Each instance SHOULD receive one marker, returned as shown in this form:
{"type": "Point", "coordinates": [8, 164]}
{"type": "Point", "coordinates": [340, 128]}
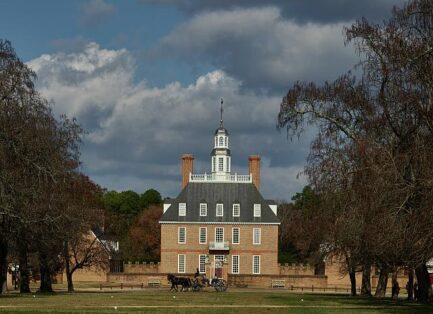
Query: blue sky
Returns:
{"type": "Point", "coordinates": [144, 78]}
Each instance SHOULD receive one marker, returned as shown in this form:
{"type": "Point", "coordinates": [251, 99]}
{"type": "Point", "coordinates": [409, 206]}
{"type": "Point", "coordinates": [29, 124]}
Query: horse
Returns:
{"type": "Point", "coordinates": [175, 281]}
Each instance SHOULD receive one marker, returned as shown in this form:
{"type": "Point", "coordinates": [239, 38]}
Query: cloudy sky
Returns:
{"type": "Point", "coordinates": [144, 78]}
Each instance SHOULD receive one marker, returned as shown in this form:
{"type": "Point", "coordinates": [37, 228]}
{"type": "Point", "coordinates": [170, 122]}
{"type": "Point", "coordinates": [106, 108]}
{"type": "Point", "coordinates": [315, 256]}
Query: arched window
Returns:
{"type": "Point", "coordinates": [216, 141]}
{"type": "Point", "coordinates": [226, 140]}
{"type": "Point", "coordinates": [221, 141]}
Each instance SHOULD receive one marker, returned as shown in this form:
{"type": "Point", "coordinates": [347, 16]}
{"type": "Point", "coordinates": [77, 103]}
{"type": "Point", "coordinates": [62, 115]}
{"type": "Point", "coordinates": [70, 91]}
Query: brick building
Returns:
{"type": "Point", "coordinates": [220, 223]}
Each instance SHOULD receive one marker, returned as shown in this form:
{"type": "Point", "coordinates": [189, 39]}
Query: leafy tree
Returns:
{"type": "Point", "coordinates": [150, 197]}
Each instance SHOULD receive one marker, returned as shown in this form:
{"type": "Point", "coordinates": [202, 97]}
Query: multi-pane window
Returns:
{"type": "Point", "coordinates": [182, 235]}
{"type": "Point", "coordinates": [202, 264]}
{"type": "Point", "coordinates": [257, 210]}
{"type": "Point", "coordinates": [235, 236]}
{"type": "Point", "coordinates": [181, 263]}
{"type": "Point", "coordinates": [226, 141]}
{"type": "Point", "coordinates": [216, 141]}
{"type": "Point", "coordinates": [219, 210]}
{"type": "Point", "coordinates": [221, 141]}
{"type": "Point", "coordinates": [228, 164]}
{"type": "Point", "coordinates": [203, 209]}
{"type": "Point", "coordinates": [257, 232]}
{"type": "Point", "coordinates": [236, 210]}
{"type": "Point", "coordinates": [213, 164]}
{"type": "Point", "coordinates": [203, 235]}
{"type": "Point", "coordinates": [182, 209]}
{"type": "Point", "coordinates": [221, 164]}
{"type": "Point", "coordinates": [256, 264]}
{"type": "Point", "coordinates": [219, 234]}
{"type": "Point", "coordinates": [235, 264]}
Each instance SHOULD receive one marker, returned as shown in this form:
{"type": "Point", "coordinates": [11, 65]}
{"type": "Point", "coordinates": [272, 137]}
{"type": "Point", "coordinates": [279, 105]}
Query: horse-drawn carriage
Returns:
{"type": "Point", "coordinates": [196, 284]}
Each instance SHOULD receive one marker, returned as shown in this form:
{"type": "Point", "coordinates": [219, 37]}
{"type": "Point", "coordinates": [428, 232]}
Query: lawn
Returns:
{"type": "Point", "coordinates": [232, 301]}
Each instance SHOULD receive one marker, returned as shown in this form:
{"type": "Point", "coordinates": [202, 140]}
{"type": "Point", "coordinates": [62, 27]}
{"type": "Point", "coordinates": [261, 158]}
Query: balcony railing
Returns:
{"type": "Point", "coordinates": [219, 246]}
{"type": "Point", "coordinates": [214, 177]}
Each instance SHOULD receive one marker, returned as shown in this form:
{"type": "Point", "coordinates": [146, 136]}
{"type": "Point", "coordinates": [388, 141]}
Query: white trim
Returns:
{"type": "Point", "coordinates": [178, 235]}
{"type": "Point", "coordinates": [205, 209]}
{"type": "Point", "coordinates": [215, 239]}
{"type": "Point", "coordinates": [239, 235]}
{"type": "Point", "coordinates": [260, 236]}
{"type": "Point", "coordinates": [222, 210]}
{"type": "Point", "coordinates": [259, 259]}
{"type": "Point", "coordinates": [239, 264]}
{"type": "Point", "coordinates": [199, 263]}
{"type": "Point", "coordinates": [199, 235]}
{"type": "Point", "coordinates": [257, 210]}
{"type": "Point", "coordinates": [219, 223]}
{"type": "Point", "coordinates": [233, 209]}
{"type": "Point", "coordinates": [178, 263]}
{"type": "Point", "coordinates": [182, 211]}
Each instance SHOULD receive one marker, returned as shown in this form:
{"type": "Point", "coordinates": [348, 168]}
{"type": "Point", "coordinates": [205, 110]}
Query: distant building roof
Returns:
{"type": "Point", "coordinates": [244, 194]}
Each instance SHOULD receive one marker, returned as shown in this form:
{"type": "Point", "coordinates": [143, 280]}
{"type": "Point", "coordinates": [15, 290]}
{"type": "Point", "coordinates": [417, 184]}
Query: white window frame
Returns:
{"type": "Point", "coordinates": [179, 237]}
{"type": "Point", "coordinates": [233, 235]}
{"type": "Point", "coordinates": [219, 206]}
{"type": "Point", "coordinates": [220, 164]}
{"type": "Point", "coordinates": [256, 266]}
{"type": "Point", "coordinates": [182, 209]}
{"type": "Point", "coordinates": [259, 232]}
{"type": "Point", "coordinates": [181, 266]}
{"type": "Point", "coordinates": [202, 263]}
{"type": "Point", "coordinates": [226, 141]}
{"type": "Point", "coordinates": [237, 264]}
{"type": "Point", "coordinates": [219, 228]}
{"type": "Point", "coordinates": [213, 164]}
{"type": "Point", "coordinates": [200, 234]}
{"type": "Point", "coordinates": [221, 141]}
{"type": "Point", "coordinates": [257, 210]}
{"type": "Point", "coordinates": [203, 209]}
{"type": "Point", "coordinates": [239, 210]}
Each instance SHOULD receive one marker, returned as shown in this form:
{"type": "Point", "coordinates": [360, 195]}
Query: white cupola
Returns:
{"type": "Point", "coordinates": [221, 152]}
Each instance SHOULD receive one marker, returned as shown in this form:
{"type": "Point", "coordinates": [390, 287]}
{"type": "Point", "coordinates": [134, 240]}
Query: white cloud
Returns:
{"type": "Point", "coordinates": [137, 133]}
{"type": "Point", "coordinates": [260, 48]}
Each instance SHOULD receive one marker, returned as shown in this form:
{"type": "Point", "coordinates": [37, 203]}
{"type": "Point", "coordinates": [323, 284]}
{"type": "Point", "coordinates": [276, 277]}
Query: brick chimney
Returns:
{"type": "Point", "coordinates": [187, 168]}
{"type": "Point", "coordinates": [254, 169]}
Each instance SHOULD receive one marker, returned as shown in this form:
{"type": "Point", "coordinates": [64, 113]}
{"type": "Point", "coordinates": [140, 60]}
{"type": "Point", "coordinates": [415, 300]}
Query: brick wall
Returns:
{"type": "Point", "coordinates": [137, 267]}
{"type": "Point", "coordinates": [265, 281]}
{"type": "Point", "coordinates": [296, 269]}
{"type": "Point", "coordinates": [268, 249]}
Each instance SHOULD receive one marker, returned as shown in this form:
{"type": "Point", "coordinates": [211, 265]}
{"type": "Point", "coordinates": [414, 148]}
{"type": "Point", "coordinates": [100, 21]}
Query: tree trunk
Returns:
{"type": "Point", "coordinates": [352, 276]}
{"type": "Point", "coordinates": [3, 266]}
{"type": "Point", "coordinates": [366, 281]}
{"type": "Point", "coordinates": [424, 288]}
{"type": "Point", "coordinates": [46, 285]}
{"type": "Point", "coordinates": [68, 267]}
{"type": "Point", "coordinates": [24, 270]}
{"type": "Point", "coordinates": [409, 286]}
{"type": "Point", "coordinates": [382, 282]}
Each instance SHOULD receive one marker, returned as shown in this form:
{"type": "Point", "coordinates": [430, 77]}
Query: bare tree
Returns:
{"type": "Point", "coordinates": [374, 141]}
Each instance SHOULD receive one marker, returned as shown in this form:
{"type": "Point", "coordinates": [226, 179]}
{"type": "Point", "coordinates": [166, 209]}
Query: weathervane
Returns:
{"type": "Point", "coordinates": [222, 110]}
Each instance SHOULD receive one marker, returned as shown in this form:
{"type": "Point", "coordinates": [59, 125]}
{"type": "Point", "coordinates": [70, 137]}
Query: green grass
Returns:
{"type": "Point", "coordinates": [233, 301]}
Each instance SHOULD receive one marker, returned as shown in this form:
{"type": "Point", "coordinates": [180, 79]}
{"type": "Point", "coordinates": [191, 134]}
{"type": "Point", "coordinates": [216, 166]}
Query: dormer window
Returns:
{"type": "Point", "coordinates": [182, 209]}
{"type": "Point", "coordinates": [257, 210]}
{"type": "Point", "coordinates": [219, 210]}
{"type": "Point", "coordinates": [236, 210]}
{"type": "Point", "coordinates": [203, 209]}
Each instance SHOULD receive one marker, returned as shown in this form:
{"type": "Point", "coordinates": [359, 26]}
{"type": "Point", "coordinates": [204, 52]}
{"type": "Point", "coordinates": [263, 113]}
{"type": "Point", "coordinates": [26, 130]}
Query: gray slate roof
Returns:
{"type": "Point", "coordinates": [246, 194]}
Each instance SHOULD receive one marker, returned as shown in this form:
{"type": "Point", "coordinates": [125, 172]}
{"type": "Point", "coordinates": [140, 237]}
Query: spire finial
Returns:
{"type": "Point", "coordinates": [222, 110]}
